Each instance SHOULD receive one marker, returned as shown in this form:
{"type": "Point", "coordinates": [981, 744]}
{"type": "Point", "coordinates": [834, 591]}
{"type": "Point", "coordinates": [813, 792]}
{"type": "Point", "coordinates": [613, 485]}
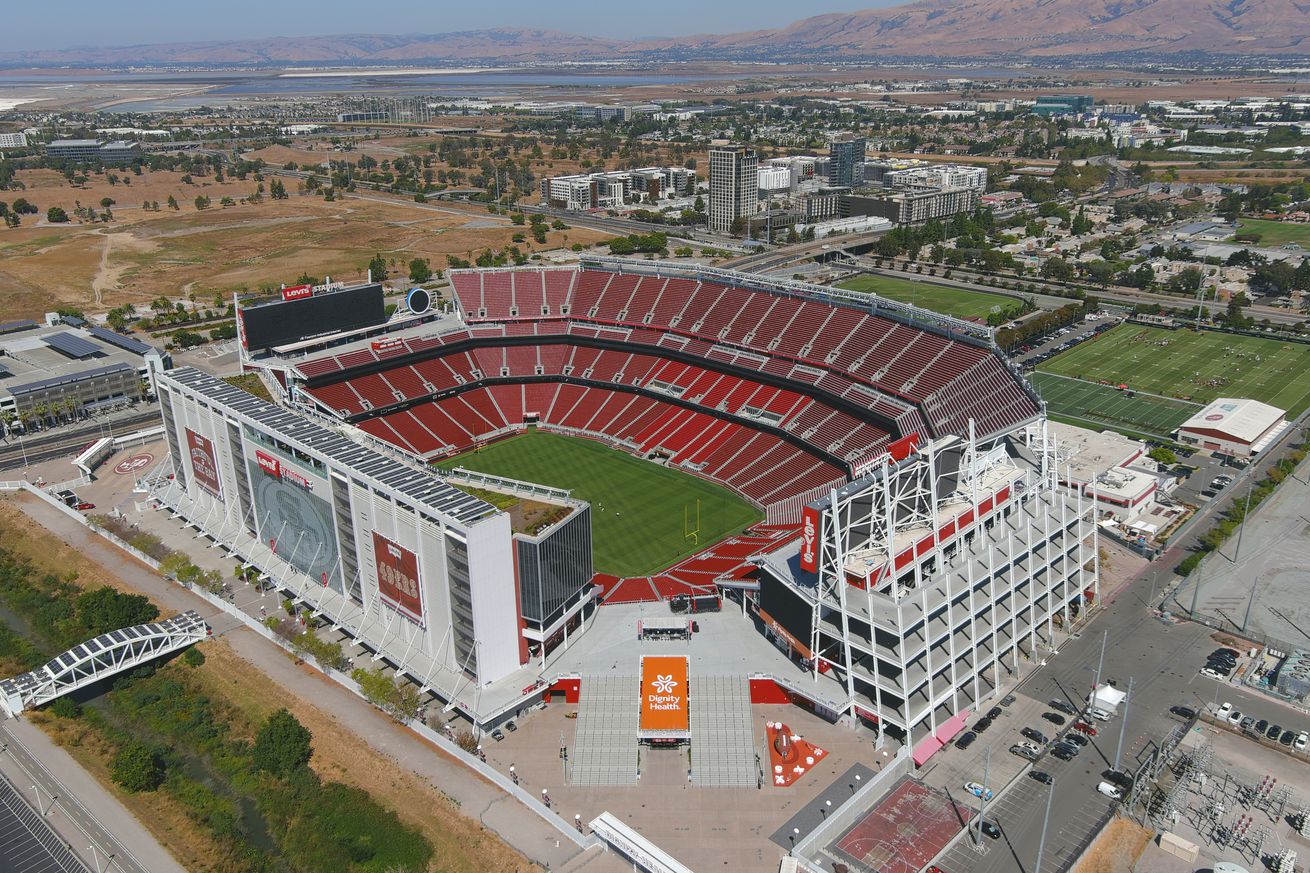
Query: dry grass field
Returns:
{"type": "Point", "coordinates": [143, 254]}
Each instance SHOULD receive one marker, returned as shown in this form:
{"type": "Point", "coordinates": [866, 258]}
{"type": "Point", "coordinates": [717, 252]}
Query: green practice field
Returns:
{"type": "Point", "coordinates": [1089, 404]}
{"type": "Point", "coordinates": [938, 298]}
{"type": "Point", "coordinates": [1193, 366]}
{"type": "Point", "coordinates": [640, 512]}
{"type": "Point", "coordinates": [1275, 233]}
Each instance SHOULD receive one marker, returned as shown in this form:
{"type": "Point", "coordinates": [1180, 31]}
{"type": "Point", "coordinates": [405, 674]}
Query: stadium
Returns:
{"type": "Point", "coordinates": [870, 484]}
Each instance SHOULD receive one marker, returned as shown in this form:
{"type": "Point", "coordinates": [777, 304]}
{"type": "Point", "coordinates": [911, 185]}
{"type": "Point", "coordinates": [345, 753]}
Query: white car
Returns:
{"type": "Point", "coordinates": [1212, 674]}
{"type": "Point", "coordinates": [1302, 741]}
{"type": "Point", "coordinates": [1224, 710]}
{"type": "Point", "coordinates": [1110, 790]}
{"type": "Point", "coordinates": [978, 790]}
{"type": "Point", "coordinates": [1235, 717]}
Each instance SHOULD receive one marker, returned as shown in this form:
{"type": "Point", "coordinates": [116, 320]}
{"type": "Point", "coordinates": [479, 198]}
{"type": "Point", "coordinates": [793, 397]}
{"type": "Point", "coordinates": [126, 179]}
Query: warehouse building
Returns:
{"type": "Point", "coordinates": [1236, 426]}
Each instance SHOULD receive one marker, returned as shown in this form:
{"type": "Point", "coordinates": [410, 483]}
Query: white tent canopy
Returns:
{"type": "Point", "coordinates": [1107, 697]}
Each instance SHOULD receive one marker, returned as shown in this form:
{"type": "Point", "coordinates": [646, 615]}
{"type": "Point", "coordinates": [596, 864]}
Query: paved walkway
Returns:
{"type": "Point", "coordinates": [518, 827]}
{"type": "Point", "coordinates": [81, 807]}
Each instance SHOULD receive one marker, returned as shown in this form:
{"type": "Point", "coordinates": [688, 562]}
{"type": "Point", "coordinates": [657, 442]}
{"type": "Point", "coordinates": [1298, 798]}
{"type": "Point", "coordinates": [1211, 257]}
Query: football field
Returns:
{"type": "Point", "coordinates": [1192, 366]}
{"type": "Point", "coordinates": [641, 513]}
{"type": "Point", "coordinates": [959, 302]}
{"type": "Point", "coordinates": [1089, 404]}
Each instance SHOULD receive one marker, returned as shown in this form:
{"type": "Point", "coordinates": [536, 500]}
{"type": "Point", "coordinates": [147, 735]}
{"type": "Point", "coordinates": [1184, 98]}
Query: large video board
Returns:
{"type": "Point", "coordinates": [294, 521]}
{"type": "Point", "coordinates": [297, 318]}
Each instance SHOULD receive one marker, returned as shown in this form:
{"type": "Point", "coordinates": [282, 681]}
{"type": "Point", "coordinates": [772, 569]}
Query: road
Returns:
{"type": "Point", "coordinates": [64, 441]}
{"type": "Point", "coordinates": [1162, 659]}
{"type": "Point", "coordinates": [82, 812]}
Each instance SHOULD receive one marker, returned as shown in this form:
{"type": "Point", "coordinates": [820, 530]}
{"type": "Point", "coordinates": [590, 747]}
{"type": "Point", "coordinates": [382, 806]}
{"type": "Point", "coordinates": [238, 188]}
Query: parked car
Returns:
{"type": "Point", "coordinates": [1035, 735]}
{"type": "Point", "coordinates": [1235, 717]}
{"type": "Point", "coordinates": [1273, 731]}
{"type": "Point", "coordinates": [1183, 712]}
{"type": "Point", "coordinates": [1054, 718]}
{"type": "Point", "coordinates": [994, 713]}
{"type": "Point", "coordinates": [1062, 706]}
{"type": "Point", "coordinates": [1302, 741]}
{"type": "Point", "coordinates": [1287, 738]}
{"type": "Point", "coordinates": [1074, 739]}
{"type": "Point", "coordinates": [1223, 650]}
{"type": "Point", "coordinates": [1064, 753]}
{"type": "Point", "coordinates": [498, 734]}
{"type": "Point", "coordinates": [990, 829]}
{"type": "Point", "coordinates": [1212, 674]}
{"type": "Point", "coordinates": [978, 790]}
{"type": "Point", "coordinates": [1247, 722]}
{"type": "Point", "coordinates": [1223, 710]}
{"type": "Point", "coordinates": [84, 506]}
{"type": "Point", "coordinates": [1084, 728]}
{"type": "Point", "coordinates": [1025, 751]}
{"type": "Point", "coordinates": [1041, 776]}
{"type": "Point", "coordinates": [510, 726]}
{"type": "Point", "coordinates": [1009, 699]}
{"type": "Point", "coordinates": [1123, 780]}
{"type": "Point", "coordinates": [966, 740]}
{"type": "Point", "coordinates": [1109, 790]}
{"type": "Point", "coordinates": [982, 724]}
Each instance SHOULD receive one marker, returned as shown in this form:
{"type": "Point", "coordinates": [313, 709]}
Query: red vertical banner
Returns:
{"type": "Point", "coordinates": [398, 577]}
{"type": "Point", "coordinates": [204, 463]}
{"type": "Point", "coordinates": [810, 540]}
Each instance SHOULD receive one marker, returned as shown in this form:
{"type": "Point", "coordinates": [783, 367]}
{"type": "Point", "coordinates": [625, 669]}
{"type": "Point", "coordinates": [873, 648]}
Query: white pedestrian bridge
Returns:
{"type": "Point", "coordinates": [98, 658]}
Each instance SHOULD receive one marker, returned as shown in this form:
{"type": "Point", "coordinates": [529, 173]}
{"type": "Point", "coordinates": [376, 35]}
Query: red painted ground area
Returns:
{"type": "Point", "coordinates": [904, 832]}
{"type": "Point", "coordinates": [790, 757]}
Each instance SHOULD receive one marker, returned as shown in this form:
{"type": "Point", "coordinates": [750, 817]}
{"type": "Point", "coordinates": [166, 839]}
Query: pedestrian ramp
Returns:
{"type": "Point", "coordinates": [722, 735]}
{"type": "Point", "coordinates": [605, 744]}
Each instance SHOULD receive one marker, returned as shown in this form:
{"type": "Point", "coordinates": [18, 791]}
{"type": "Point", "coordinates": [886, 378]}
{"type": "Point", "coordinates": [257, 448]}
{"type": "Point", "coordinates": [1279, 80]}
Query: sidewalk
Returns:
{"type": "Point", "coordinates": [81, 805]}
{"type": "Point", "coordinates": [480, 800]}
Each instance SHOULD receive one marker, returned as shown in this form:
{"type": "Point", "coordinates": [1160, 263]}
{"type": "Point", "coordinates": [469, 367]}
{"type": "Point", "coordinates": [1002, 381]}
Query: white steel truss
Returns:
{"type": "Point", "coordinates": [100, 657]}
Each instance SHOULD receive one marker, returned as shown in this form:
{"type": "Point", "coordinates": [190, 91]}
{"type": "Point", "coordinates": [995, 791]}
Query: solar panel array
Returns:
{"type": "Point", "coordinates": [16, 326]}
{"type": "Point", "coordinates": [72, 345]}
{"type": "Point", "coordinates": [419, 485]}
{"type": "Point", "coordinates": [117, 339]}
{"type": "Point", "coordinates": [69, 378]}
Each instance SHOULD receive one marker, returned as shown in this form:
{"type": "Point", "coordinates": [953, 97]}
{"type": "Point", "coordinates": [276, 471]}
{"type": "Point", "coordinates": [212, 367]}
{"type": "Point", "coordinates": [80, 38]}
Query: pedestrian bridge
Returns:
{"type": "Point", "coordinates": [106, 655]}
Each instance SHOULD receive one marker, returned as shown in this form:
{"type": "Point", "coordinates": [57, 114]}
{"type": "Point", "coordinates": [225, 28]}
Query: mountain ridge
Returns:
{"type": "Point", "coordinates": [929, 29]}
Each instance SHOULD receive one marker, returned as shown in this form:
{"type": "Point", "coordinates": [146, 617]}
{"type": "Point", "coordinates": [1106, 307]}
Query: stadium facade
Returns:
{"type": "Point", "coordinates": [406, 563]}
{"type": "Point", "coordinates": [926, 554]}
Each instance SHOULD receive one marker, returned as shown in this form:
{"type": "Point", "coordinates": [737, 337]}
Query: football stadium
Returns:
{"type": "Point", "coordinates": [860, 497]}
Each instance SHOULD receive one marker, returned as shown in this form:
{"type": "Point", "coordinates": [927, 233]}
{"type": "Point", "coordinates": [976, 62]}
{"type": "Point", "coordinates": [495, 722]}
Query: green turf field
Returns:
{"type": "Point", "coordinates": [1275, 233]}
{"type": "Point", "coordinates": [1089, 404]}
{"type": "Point", "coordinates": [938, 298]}
{"type": "Point", "coordinates": [1193, 366]}
{"type": "Point", "coordinates": [638, 509]}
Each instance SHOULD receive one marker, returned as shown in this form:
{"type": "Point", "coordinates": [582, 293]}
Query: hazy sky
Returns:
{"type": "Point", "coordinates": [43, 24]}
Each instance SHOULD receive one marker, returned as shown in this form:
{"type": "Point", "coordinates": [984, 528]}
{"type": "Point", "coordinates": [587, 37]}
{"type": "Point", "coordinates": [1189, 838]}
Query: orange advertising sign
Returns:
{"type": "Point", "coordinates": [664, 693]}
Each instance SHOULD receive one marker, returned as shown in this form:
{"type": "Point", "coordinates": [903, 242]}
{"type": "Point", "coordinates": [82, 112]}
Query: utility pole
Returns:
{"type": "Point", "coordinates": [1237, 553]}
{"type": "Point", "coordinates": [1123, 724]}
{"type": "Point", "coordinates": [1046, 820]}
{"type": "Point", "coordinates": [982, 795]}
{"type": "Point", "coordinates": [1100, 664]}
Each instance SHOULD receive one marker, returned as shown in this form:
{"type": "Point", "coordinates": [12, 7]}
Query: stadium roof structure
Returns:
{"type": "Point", "coordinates": [1237, 418]}
{"type": "Point", "coordinates": [419, 484]}
{"type": "Point", "coordinates": [117, 339]}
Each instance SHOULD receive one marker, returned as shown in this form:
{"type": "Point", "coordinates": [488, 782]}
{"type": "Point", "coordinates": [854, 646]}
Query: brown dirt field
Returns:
{"type": "Point", "coordinates": [221, 250]}
{"type": "Point", "coordinates": [459, 843]}
{"type": "Point", "coordinates": [1117, 849]}
{"type": "Point", "coordinates": [46, 188]}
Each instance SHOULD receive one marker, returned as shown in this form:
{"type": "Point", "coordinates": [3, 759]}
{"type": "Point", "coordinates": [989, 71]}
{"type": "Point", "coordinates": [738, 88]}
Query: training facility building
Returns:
{"type": "Point", "coordinates": [429, 577]}
{"type": "Point", "coordinates": [1236, 426]}
{"type": "Point", "coordinates": [63, 367]}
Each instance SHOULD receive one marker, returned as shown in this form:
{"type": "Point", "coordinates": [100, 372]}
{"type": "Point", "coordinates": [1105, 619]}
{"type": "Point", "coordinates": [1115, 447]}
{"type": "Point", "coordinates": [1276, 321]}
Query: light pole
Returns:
{"type": "Point", "coordinates": [1046, 820]}
{"type": "Point", "coordinates": [1123, 724]}
{"type": "Point", "coordinates": [982, 795]}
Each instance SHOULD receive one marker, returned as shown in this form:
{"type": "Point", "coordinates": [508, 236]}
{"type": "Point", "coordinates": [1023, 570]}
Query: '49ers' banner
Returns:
{"type": "Point", "coordinates": [810, 540]}
{"type": "Point", "coordinates": [398, 577]}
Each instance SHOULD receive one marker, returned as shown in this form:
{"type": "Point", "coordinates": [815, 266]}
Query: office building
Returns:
{"type": "Point", "coordinates": [912, 207]}
{"type": "Point", "coordinates": [13, 140]}
{"type": "Point", "coordinates": [734, 185]}
{"type": "Point", "coordinates": [845, 160]}
{"type": "Point", "coordinates": [1063, 104]}
{"type": "Point", "coordinates": [93, 151]}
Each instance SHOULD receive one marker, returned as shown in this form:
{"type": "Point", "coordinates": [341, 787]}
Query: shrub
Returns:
{"type": "Point", "coordinates": [137, 767]}
{"type": "Point", "coordinates": [193, 657]}
{"type": "Point", "coordinates": [282, 744]}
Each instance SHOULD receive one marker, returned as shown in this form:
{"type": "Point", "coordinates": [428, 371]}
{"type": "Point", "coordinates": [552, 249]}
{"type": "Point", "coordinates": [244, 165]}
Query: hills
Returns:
{"type": "Point", "coordinates": [928, 29]}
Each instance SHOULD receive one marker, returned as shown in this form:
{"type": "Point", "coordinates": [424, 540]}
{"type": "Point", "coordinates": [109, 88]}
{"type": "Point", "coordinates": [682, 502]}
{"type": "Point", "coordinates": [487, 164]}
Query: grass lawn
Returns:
{"type": "Point", "coordinates": [1089, 404]}
{"type": "Point", "coordinates": [1275, 233]}
{"type": "Point", "coordinates": [1193, 366]}
{"type": "Point", "coordinates": [938, 298]}
{"type": "Point", "coordinates": [638, 509]}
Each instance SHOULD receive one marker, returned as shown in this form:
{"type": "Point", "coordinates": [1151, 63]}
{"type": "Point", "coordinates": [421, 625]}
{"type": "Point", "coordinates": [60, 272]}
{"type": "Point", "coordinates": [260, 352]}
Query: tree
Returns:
{"type": "Point", "coordinates": [277, 190]}
{"type": "Point", "coordinates": [137, 767]}
{"type": "Point", "coordinates": [1057, 268]}
{"type": "Point", "coordinates": [106, 202]}
{"type": "Point", "coordinates": [202, 202]}
{"type": "Point", "coordinates": [22, 207]}
{"type": "Point", "coordinates": [420, 270]}
{"type": "Point", "coordinates": [378, 267]}
{"type": "Point", "coordinates": [1187, 281]}
{"type": "Point", "coordinates": [56, 215]}
{"type": "Point", "coordinates": [103, 609]}
{"type": "Point", "coordinates": [282, 745]}
{"type": "Point", "coordinates": [172, 202]}
{"type": "Point", "coordinates": [1163, 455]}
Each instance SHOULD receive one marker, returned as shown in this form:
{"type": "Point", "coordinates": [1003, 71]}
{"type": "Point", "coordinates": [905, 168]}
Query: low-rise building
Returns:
{"type": "Point", "coordinates": [93, 151]}
{"type": "Point", "coordinates": [1236, 426]}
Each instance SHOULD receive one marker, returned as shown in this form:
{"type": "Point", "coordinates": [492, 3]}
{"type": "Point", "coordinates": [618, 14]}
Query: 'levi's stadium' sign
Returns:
{"type": "Point", "coordinates": [297, 292]}
{"type": "Point", "coordinates": [810, 540]}
{"type": "Point", "coordinates": [664, 694]}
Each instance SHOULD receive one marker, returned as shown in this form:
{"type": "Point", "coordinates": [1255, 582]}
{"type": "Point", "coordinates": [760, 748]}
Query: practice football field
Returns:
{"type": "Point", "coordinates": [1089, 404]}
{"type": "Point", "coordinates": [1193, 366]}
{"type": "Point", "coordinates": [1275, 233]}
{"type": "Point", "coordinates": [948, 301]}
{"type": "Point", "coordinates": [640, 512]}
